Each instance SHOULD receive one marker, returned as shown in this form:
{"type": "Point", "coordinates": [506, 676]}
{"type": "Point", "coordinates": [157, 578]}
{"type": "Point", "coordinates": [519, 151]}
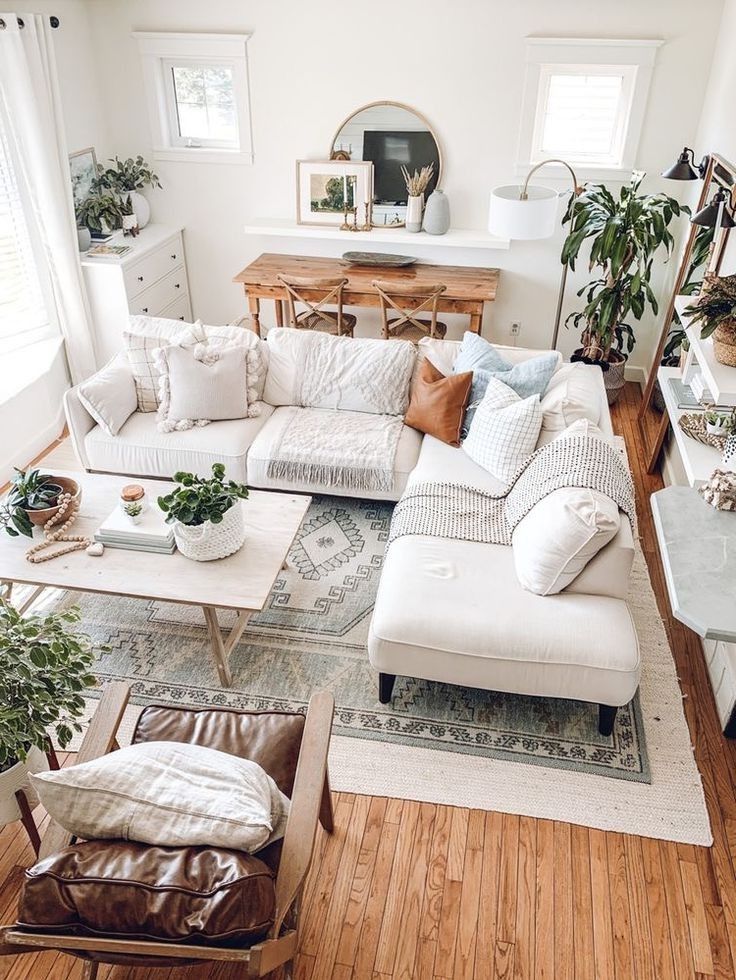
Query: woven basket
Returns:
{"type": "Point", "coordinates": [208, 541]}
{"type": "Point", "coordinates": [724, 343]}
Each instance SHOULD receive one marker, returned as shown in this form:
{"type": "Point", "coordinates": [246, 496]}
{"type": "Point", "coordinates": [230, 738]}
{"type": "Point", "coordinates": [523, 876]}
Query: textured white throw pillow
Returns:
{"type": "Point", "coordinates": [201, 384]}
{"type": "Point", "coordinates": [167, 793]}
{"type": "Point", "coordinates": [110, 396]}
{"type": "Point", "coordinates": [229, 336]}
{"type": "Point", "coordinates": [573, 393]}
{"type": "Point", "coordinates": [560, 535]}
{"type": "Point", "coordinates": [504, 430]}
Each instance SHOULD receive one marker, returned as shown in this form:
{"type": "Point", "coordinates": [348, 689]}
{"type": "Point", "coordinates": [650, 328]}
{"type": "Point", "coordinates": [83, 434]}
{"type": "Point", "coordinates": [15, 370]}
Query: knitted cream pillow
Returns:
{"type": "Point", "coordinates": [201, 384]}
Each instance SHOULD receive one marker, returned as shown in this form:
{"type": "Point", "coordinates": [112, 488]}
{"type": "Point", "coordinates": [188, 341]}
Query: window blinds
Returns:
{"type": "Point", "coordinates": [582, 116]}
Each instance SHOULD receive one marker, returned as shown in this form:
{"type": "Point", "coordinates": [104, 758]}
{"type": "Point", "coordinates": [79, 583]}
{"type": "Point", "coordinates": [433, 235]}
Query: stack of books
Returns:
{"type": "Point", "coordinates": [151, 534]}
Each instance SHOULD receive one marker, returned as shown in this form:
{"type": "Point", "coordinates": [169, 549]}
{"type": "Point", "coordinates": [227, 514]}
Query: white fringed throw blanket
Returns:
{"type": "Point", "coordinates": [351, 451]}
{"type": "Point", "coordinates": [453, 510]}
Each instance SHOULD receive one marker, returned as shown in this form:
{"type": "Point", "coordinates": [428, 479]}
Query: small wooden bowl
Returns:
{"type": "Point", "coordinates": [39, 517]}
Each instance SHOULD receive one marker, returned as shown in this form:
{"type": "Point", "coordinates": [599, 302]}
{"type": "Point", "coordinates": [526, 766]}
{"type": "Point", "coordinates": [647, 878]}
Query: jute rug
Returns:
{"type": "Point", "coordinates": [437, 743]}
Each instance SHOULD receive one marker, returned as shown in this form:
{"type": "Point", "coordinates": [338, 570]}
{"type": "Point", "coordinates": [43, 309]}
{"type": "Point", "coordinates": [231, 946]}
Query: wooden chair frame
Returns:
{"type": "Point", "coordinates": [297, 286]}
{"type": "Point", "coordinates": [428, 294]}
{"type": "Point", "coordinates": [310, 805]}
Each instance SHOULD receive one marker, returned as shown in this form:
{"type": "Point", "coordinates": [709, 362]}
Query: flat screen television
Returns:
{"type": "Point", "coordinates": [389, 150]}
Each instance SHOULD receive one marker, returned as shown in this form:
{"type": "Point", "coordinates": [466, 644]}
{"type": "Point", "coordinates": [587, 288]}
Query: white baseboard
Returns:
{"type": "Point", "coordinates": [634, 373]}
{"type": "Point", "coordinates": [31, 449]}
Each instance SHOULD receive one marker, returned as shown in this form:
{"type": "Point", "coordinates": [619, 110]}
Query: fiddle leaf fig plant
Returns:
{"type": "Point", "coordinates": [624, 233]}
{"type": "Point", "coordinates": [44, 670]}
{"type": "Point", "coordinates": [196, 500]}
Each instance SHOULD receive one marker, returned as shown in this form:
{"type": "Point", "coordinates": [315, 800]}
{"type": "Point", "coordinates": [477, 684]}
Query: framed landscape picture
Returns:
{"type": "Point", "coordinates": [83, 169]}
{"type": "Point", "coordinates": [325, 188]}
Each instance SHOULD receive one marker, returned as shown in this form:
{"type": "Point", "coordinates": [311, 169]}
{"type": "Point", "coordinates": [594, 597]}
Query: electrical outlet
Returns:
{"type": "Point", "coordinates": [515, 329]}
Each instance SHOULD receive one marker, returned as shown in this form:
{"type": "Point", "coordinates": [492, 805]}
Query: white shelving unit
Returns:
{"type": "Point", "coordinates": [720, 379]}
{"type": "Point", "coordinates": [698, 460]}
{"type": "Point", "coordinates": [356, 241]}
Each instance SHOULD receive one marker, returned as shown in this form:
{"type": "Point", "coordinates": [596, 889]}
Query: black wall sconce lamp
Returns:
{"type": "Point", "coordinates": [685, 168]}
{"type": "Point", "coordinates": [718, 212]}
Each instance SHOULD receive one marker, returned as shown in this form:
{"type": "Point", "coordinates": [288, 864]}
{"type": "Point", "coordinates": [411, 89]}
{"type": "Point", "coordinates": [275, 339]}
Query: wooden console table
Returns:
{"type": "Point", "coordinates": [468, 287]}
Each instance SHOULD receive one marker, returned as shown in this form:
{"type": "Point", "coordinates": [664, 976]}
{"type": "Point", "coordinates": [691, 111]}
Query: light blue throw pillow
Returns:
{"type": "Point", "coordinates": [526, 379]}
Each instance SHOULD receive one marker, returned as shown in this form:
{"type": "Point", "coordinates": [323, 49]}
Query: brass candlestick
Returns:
{"type": "Point", "coordinates": [345, 226]}
{"type": "Point", "coordinates": [354, 226]}
{"type": "Point", "coordinates": [368, 226]}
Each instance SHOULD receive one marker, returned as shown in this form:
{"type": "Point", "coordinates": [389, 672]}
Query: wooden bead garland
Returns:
{"type": "Point", "coordinates": [77, 542]}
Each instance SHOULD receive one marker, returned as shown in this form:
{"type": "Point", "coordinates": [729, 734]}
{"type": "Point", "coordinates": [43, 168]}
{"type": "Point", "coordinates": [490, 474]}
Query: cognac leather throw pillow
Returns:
{"type": "Point", "coordinates": [438, 403]}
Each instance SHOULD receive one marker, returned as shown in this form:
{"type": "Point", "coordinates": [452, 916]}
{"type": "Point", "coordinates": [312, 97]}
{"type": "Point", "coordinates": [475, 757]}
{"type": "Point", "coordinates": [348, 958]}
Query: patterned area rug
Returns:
{"type": "Point", "coordinates": [447, 744]}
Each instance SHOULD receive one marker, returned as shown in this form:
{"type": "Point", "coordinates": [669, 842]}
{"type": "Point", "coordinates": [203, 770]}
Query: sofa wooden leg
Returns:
{"type": "Point", "coordinates": [386, 687]}
{"type": "Point", "coordinates": [606, 718]}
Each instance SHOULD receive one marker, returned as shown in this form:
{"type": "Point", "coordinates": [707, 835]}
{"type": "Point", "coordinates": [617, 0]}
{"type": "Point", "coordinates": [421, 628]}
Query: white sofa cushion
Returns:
{"type": "Point", "coordinates": [139, 449]}
{"type": "Point", "coordinates": [110, 396]}
{"type": "Point", "coordinates": [507, 639]}
{"type": "Point", "coordinates": [571, 394]}
{"type": "Point", "coordinates": [317, 370]}
{"type": "Point", "coordinates": [560, 535]}
{"type": "Point", "coordinates": [199, 385]}
{"type": "Point", "coordinates": [265, 443]}
{"type": "Point", "coordinates": [504, 430]}
{"type": "Point", "coordinates": [171, 794]}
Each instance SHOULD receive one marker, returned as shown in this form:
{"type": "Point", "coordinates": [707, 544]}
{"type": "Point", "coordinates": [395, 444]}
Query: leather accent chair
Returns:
{"type": "Point", "coordinates": [130, 903]}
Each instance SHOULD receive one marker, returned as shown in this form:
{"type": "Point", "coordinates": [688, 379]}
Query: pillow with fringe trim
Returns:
{"type": "Point", "coordinates": [228, 336]}
{"type": "Point", "coordinates": [201, 384]}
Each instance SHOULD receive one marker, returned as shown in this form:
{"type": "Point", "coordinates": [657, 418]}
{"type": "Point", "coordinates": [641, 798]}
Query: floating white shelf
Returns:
{"type": "Point", "coordinates": [356, 241]}
{"type": "Point", "coordinates": [698, 460]}
{"type": "Point", "coordinates": [720, 379]}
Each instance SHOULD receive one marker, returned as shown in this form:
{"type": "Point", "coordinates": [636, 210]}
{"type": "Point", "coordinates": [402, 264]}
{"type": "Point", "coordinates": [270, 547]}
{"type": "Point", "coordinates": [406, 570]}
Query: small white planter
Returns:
{"type": "Point", "coordinates": [209, 541]}
{"type": "Point", "coordinates": [414, 208]}
{"type": "Point", "coordinates": [716, 430]}
{"type": "Point", "coordinates": [16, 778]}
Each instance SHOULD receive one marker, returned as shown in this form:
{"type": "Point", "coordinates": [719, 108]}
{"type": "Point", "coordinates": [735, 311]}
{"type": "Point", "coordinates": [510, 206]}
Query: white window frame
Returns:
{"type": "Point", "coordinates": [633, 59]}
{"type": "Point", "coordinates": [159, 52]}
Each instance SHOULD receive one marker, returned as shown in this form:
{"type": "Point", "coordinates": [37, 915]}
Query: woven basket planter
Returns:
{"type": "Point", "coordinates": [208, 541]}
{"type": "Point", "coordinates": [724, 343]}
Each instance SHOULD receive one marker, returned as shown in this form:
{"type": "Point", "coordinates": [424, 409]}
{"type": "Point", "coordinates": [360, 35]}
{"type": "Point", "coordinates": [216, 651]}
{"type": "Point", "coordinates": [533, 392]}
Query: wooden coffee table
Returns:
{"type": "Point", "coordinates": [241, 583]}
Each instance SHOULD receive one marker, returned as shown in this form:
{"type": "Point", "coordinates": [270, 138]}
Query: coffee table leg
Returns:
{"type": "Point", "coordinates": [222, 645]}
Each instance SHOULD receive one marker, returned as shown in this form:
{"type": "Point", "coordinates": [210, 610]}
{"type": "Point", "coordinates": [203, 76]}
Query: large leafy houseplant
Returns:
{"type": "Point", "coordinates": [624, 234]}
{"type": "Point", "coordinates": [29, 490]}
{"type": "Point", "coordinates": [715, 310]}
{"type": "Point", "coordinates": [44, 670]}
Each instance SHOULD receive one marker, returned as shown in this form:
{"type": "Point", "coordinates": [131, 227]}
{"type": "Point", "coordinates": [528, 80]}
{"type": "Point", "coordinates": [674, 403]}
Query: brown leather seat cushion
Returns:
{"type": "Point", "coordinates": [203, 895]}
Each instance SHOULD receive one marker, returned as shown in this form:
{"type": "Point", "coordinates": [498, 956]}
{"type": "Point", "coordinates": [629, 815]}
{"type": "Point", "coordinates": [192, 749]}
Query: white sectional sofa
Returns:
{"type": "Point", "coordinates": [446, 610]}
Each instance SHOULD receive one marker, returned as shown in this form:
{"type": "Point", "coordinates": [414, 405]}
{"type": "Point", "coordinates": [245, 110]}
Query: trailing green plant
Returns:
{"type": "Point", "coordinates": [715, 305]}
{"type": "Point", "coordinates": [99, 210]}
{"type": "Point", "coordinates": [29, 490]}
{"type": "Point", "coordinates": [44, 668]}
{"type": "Point", "coordinates": [125, 176]}
{"type": "Point", "coordinates": [625, 233]}
{"type": "Point", "coordinates": [196, 500]}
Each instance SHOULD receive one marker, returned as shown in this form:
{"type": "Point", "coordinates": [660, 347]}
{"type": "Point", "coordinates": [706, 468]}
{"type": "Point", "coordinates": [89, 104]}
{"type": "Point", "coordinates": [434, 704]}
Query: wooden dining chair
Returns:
{"type": "Point", "coordinates": [401, 304]}
{"type": "Point", "coordinates": [315, 295]}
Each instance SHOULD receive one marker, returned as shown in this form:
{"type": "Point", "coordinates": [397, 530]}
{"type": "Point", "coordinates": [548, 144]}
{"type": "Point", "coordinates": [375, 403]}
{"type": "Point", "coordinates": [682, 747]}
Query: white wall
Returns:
{"type": "Point", "coordinates": [313, 62]}
{"type": "Point", "coordinates": [717, 130]}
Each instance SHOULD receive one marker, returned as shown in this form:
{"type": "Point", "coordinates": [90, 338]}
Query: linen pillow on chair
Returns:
{"type": "Point", "coordinates": [172, 794]}
{"type": "Point", "coordinates": [200, 385]}
{"type": "Point", "coordinates": [504, 431]}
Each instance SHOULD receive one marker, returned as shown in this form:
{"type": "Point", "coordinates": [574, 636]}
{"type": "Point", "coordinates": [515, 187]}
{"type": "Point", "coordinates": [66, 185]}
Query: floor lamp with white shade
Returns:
{"type": "Point", "coordinates": [527, 212]}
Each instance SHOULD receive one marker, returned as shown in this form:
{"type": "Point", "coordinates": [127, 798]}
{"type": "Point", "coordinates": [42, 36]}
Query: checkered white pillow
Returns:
{"type": "Point", "coordinates": [504, 430]}
{"type": "Point", "coordinates": [144, 335]}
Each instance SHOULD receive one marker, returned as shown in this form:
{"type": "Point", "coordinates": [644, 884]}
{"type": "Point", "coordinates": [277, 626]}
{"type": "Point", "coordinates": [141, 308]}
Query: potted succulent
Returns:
{"type": "Point", "coordinates": [624, 233]}
{"type": "Point", "coordinates": [44, 668]}
{"type": "Point", "coordinates": [33, 498]}
{"type": "Point", "coordinates": [717, 423]}
{"type": "Point", "coordinates": [100, 213]}
{"type": "Point", "coordinates": [715, 310]}
{"type": "Point", "coordinates": [133, 509]}
{"type": "Point", "coordinates": [205, 514]}
{"type": "Point", "coordinates": [126, 179]}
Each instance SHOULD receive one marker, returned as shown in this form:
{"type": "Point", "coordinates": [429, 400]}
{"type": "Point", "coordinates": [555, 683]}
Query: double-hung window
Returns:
{"type": "Point", "coordinates": [198, 97]}
{"type": "Point", "coordinates": [584, 102]}
{"type": "Point", "coordinates": [24, 287]}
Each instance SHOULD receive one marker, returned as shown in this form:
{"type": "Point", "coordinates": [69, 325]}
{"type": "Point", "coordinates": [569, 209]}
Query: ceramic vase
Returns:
{"type": "Point", "coordinates": [414, 206]}
{"type": "Point", "coordinates": [729, 452]}
{"type": "Point", "coordinates": [141, 208]}
{"type": "Point", "coordinates": [84, 238]}
{"type": "Point", "coordinates": [437, 214]}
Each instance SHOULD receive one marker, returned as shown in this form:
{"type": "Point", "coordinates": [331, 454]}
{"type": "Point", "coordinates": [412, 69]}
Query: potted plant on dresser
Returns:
{"type": "Point", "coordinates": [624, 235]}
{"type": "Point", "coordinates": [44, 668]}
{"type": "Point", "coordinates": [125, 180]}
{"type": "Point", "coordinates": [206, 514]}
{"type": "Point", "coordinates": [715, 310]}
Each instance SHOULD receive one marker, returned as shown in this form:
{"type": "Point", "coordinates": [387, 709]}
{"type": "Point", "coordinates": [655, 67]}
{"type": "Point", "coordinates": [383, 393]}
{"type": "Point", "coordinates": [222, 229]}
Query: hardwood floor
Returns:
{"type": "Point", "coordinates": [406, 889]}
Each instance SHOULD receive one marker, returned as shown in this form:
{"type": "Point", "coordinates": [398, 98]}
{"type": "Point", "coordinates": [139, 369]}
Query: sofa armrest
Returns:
{"type": "Point", "coordinates": [79, 421]}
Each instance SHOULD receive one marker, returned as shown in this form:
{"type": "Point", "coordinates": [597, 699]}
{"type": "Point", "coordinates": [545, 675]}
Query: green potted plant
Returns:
{"type": "Point", "coordinates": [715, 310]}
{"type": "Point", "coordinates": [100, 213]}
{"type": "Point", "coordinates": [718, 423]}
{"type": "Point", "coordinates": [624, 233]}
{"type": "Point", "coordinates": [205, 514]}
{"type": "Point", "coordinates": [44, 668]}
{"type": "Point", "coordinates": [33, 498]}
{"type": "Point", "coordinates": [128, 177]}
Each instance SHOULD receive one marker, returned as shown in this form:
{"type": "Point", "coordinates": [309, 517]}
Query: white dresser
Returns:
{"type": "Point", "coordinates": [150, 279]}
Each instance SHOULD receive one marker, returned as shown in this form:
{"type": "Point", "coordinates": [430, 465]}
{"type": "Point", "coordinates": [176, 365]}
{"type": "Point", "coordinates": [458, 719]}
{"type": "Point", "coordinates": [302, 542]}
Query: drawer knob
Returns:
{"type": "Point", "coordinates": [144, 310]}
{"type": "Point", "coordinates": [177, 285]}
{"type": "Point", "coordinates": [181, 317]}
{"type": "Point", "coordinates": [173, 256]}
{"type": "Point", "coordinates": [140, 278]}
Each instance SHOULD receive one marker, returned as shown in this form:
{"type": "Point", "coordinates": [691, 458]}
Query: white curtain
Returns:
{"type": "Point", "coordinates": [33, 122]}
